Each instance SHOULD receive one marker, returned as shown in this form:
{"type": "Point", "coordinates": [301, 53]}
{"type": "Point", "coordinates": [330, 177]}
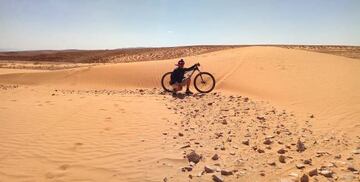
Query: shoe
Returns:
{"type": "Point", "coordinates": [174, 94]}
{"type": "Point", "coordinates": [188, 92]}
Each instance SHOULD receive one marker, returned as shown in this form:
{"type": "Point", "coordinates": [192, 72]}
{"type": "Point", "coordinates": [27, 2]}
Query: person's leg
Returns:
{"type": "Point", "coordinates": [188, 81]}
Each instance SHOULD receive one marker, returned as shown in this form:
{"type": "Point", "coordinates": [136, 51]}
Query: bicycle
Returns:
{"type": "Point", "coordinates": [204, 82]}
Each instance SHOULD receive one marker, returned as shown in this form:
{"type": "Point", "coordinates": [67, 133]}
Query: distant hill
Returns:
{"type": "Point", "coordinates": [148, 54]}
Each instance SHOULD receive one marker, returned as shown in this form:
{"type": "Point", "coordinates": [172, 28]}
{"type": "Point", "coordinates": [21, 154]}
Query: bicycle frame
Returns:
{"type": "Point", "coordinates": [196, 69]}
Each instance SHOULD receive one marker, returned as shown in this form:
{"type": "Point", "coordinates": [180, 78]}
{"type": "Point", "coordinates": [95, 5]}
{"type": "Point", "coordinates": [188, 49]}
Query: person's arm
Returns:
{"type": "Point", "coordinates": [191, 68]}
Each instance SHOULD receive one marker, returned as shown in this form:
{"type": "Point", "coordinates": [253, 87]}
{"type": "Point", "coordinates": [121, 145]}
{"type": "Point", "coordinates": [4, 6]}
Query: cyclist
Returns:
{"type": "Point", "coordinates": [177, 77]}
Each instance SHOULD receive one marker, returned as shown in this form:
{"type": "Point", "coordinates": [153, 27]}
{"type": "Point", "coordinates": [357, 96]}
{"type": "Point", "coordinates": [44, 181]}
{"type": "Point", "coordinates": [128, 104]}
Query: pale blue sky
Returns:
{"type": "Point", "coordinates": [108, 24]}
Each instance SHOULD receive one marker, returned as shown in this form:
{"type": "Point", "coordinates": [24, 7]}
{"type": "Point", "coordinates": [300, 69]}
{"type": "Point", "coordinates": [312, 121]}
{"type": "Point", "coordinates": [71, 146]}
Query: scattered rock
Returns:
{"type": "Point", "coordinates": [293, 174]}
{"type": "Point", "coordinates": [185, 146]}
{"type": "Point", "coordinates": [260, 151]}
{"type": "Point", "coordinates": [267, 141]}
{"type": "Point", "coordinates": [245, 142]}
{"type": "Point", "coordinates": [282, 159]}
{"type": "Point", "coordinates": [232, 153]}
{"type": "Point", "coordinates": [186, 169]}
{"type": "Point", "coordinates": [193, 157]}
{"type": "Point", "coordinates": [224, 122]}
{"type": "Point", "coordinates": [300, 166]}
{"type": "Point", "coordinates": [351, 168]}
{"type": "Point", "coordinates": [215, 157]}
{"type": "Point", "coordinates": [304, 178]}
{"type": "Point", "coordinates": [181, 134]}
{"type": "Point", "coordinates": [260, 118]}
{"type": "Point", "coordinates": [271, 163]}
{"type": "Point", "coordinates": [357, 151]}
{"type": "Point", "coordinates": [217, 178]}
{"type": "Point", "coordinates": [226, 172]}
{"type": "Point", "coordinates": [313, 172]}
{"type": "Point", "coordinates": [308, 161]}
{"type": "Point", "coordinates": [209, 169]}
{"type": "Point", "coordinates": [281, 151]}
{"type": "Point", "coordinates": [300, 147]}
{"type": "Point", "coordinates": [327, 173]}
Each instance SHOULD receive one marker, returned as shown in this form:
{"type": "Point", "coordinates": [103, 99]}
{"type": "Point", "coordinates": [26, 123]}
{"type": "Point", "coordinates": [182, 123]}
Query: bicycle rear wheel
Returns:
{"type": "Point", "coordinates": [204, 82]}
{"type": "Point", "coordinates": [165, 82]}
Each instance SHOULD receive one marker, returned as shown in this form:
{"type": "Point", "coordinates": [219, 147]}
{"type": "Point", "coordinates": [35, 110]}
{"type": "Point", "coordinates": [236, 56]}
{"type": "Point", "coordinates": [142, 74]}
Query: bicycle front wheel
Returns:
{"type": "Point", "coordinates": [204, 82]}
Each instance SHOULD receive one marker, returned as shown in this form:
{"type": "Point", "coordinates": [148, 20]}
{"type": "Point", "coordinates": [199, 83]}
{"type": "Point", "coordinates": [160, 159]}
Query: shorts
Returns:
{"type": "Point", "coordinates": [183, 83]}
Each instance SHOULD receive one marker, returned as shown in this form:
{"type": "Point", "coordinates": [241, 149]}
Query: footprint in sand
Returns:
{"type": "Point", "coordinates": [64, 167]}
{"type": "Point", "coordinates": [79, 144]}
{"type": "Point", "coordinates": [52, 175]}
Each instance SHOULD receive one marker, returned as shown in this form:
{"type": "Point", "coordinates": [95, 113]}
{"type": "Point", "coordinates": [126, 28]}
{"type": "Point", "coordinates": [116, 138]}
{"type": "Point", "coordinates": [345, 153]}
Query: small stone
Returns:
{"type": "Point", "coordinates": [293, 174]}
{"type": "Point", "coordinates": [357, 151]}
{"type": "Point", "coordinates": [224, 122]}
{"type": "Point", "coordinates": [164, 133]}
{"type": "Point", "coordinates": [271, 163]}
{"type": "Point", "coordinates": [185, 146]}
{"type": "Point", "coordinates": [304, 178]}
{"type": "Point", "coordinates": [337, 156]}
{"type": "Point", "coordinates": [193, 157]}
{"type": "Point", "coordinates": [261, 118]}
{"type": "Point", "coordinates": [260, 151]}
{"type": "Point", "coordinates": [351, 168]}
{"type": "Point", "coordinates": [215, 157]}
{"type": "Point", "coordinates": [192, 164]}
{"type": "Point", "coordinates": [327, 173]}
{"type": "Point", "coordinates": [190, 176]}
{"type": "Point", "coordinates": [282, 159]}
{"type": "Point", "coordinates": [186, 169]}
{"type": "Point", "coordinates": [217, 178]}
{"type": "Point", "coordinates": [226, 172]}
{"type": "Point", "coordinates": [300, 166]}
{"type": "Point", "coordinates": [308, 161]}
{"type": "Point", "coordinates": [281, 151]}
{"type": "Point", "coordinates": [209, 169]}
{"type": "Point", "coordinates": [245, 142]}
{"type": "Point", "coordinates": [300, 147]}
{"type": "Point", "coordinates": [232, 153]}
{"type": "Point", "coordinates": [181, 134]}
{"type": "Point", "coordinates": [165, 179]}
{"type": "Point", "coordinates": [267, 141]}
{"type": "Point", "coordinates": [313, 172]}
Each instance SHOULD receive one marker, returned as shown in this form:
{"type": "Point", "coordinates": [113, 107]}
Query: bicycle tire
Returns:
{"type": "Point", "coordinates": [212, 79]}
{"type": "Point", "coordinates": [163, 84]}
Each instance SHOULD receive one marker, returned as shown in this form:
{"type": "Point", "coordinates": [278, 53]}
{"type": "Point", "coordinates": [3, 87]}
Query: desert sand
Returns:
{"type": "Point", "coordinates": [276, 114]}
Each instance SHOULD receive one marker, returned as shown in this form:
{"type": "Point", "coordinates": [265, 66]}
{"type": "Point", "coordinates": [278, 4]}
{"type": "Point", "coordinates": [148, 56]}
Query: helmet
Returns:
{"type": "Point", "coordinates": [180, 62]}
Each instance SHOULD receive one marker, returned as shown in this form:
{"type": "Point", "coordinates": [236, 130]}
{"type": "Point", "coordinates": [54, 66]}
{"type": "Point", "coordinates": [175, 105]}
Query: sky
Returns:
{"type": "Point", "coordinates": [109, 24]}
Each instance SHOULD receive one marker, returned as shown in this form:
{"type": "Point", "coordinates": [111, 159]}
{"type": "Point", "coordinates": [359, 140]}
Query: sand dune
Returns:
{"type": "Point", "coordinates": [312, 82]}
{"type": "Point", "coordinates": [88, 123]}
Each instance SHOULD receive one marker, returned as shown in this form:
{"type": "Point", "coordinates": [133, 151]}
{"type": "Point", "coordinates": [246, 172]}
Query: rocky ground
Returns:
{"type": "Point", "coordinates": [232, 138]}
{"type": "Point", "coordinates": [226, 137]}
